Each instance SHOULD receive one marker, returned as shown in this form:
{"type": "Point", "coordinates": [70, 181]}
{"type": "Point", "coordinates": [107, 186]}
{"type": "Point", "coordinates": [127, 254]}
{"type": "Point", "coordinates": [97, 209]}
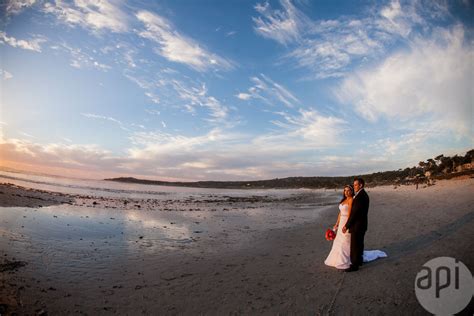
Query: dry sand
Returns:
{"type": "Point", "coordinates": [251, 271]}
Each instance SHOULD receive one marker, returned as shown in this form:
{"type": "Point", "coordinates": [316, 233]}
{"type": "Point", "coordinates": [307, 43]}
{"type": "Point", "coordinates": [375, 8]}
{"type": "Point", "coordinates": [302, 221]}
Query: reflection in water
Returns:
{"type": "Point", "coordinates": [62, 224]}
{"type": "Point", "coordinates": [77, 230]}
{"type": "Point", "coordinates": [170, 228]}
{"type": "Point", "coordinates": [71, 239]}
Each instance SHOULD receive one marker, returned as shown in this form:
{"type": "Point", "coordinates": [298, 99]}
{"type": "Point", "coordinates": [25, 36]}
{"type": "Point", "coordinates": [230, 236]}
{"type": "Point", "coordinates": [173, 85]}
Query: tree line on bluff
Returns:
{"type": "Point", "coordinates": [439, 167]}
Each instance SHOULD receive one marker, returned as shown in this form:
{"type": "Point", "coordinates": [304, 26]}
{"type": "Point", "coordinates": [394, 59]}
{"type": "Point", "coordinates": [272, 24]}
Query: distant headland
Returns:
{"type": "Point", "coordinates": [437, 168]}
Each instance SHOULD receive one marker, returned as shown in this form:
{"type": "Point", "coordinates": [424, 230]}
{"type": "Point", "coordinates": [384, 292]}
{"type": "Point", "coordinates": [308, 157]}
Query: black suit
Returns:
{"type": "Point", "coordinates": [357, 226]}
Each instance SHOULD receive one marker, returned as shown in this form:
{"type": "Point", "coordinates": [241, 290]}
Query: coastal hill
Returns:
{"type": "Point", "coordinates": [440, 167]}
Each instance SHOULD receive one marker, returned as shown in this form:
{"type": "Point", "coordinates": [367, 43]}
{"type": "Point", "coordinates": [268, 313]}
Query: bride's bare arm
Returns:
{"type": "Point", "coordinates": [349, 203]}
{"type": "Point", "coordinates": [337, 222]}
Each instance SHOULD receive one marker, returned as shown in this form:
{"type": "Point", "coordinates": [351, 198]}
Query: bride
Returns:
{"type": "Point", "coordinates": [340, 255]}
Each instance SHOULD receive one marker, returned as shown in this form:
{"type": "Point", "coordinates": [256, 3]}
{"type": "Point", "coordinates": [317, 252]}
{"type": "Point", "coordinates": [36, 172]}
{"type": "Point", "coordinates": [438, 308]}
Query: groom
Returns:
{"type": "Point", "coordinates": [357, 224]}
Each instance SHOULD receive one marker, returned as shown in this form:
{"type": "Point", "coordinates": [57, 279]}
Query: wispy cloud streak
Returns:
{"type": "Point", "coordinates": [268, 91]}
{"type": "Point", "coordinates": [176, 47]}
{"type": "Point", "coordinates": [33, 44]}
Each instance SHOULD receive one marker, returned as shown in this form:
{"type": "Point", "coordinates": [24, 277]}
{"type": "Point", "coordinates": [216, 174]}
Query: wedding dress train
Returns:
{"type": "Point", "coordinates": [371, 255]}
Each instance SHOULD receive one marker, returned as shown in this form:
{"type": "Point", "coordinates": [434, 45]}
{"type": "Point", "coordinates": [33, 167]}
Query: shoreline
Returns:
{"type": "Point", "coordinates": [290, 183]}
{"type": "Point", "coordinates": [282, 271]}
{"type": "Point", "coordinates": [316, 182]}
{"type": "Point", "coordinates": [12, 195]}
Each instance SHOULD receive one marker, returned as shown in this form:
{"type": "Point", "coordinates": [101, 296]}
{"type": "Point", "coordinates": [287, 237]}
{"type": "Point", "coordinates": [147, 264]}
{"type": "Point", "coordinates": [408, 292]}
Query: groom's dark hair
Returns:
{"type": "Point", "coordinates": [360, 180]}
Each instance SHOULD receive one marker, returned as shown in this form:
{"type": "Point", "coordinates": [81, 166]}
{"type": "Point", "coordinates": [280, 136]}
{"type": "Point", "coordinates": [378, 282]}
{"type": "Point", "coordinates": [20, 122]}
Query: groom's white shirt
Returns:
{"type": "Point", "coordinates": [358, 192]}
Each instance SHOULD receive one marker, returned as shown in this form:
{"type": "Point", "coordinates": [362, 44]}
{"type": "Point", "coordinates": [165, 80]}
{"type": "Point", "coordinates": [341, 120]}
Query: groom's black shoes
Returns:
{"type": "Point", "coordinates": [352, 269]}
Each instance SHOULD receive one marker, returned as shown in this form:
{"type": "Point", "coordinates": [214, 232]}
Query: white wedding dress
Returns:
{"type": "Point", "coordinates": [340, 255]}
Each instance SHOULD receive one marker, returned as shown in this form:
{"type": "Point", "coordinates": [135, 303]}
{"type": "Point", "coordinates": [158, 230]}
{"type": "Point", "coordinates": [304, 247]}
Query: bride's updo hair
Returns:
{"type": "Point", "coordinates": [344, 195]}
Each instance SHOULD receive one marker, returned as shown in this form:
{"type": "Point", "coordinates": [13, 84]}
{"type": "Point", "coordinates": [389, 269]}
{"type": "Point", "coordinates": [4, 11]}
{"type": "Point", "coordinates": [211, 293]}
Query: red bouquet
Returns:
{"type": "Point", "coordinates": [330, 234]}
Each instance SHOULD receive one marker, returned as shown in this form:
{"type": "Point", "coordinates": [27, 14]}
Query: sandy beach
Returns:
{"type": "Point", "coordinates": [254, 254]}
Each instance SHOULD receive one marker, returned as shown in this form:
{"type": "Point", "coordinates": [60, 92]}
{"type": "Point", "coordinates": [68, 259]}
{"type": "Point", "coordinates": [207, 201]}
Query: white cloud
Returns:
{"type": "Point", "coordinates": [283, 26]}
{"type": "Point", "coordinates": [153, 112]}
{"type": "Point", "coordinates": [66, 139]}
{"type": "Point", "coordinates": [398, 20]}
{"type": "Point", "coordinates": [327, 48]}
{"type": "Point", "coordinates": [106, 118]}
{"type": "Point", "coordinates": [158, 87]}
{"type": "Point", "coordinates": [141, 126]}
{"type": "Point", "coordinates": [330, 57]}
{"type": "Point", "coordinates": [142, 83]}
{"type": "Point", "coordinates": [430, 82]}
{"type": "Point", "coordinates": [27, 135]}
{"type": "Point", "coordinates": [33, 44]}
{"type": "Point", "coordinates": [409, 144]}
{"type": "Point", "coordinates": [198, 96]}
{"type": "Point", "coordinates": [170, 89]}
{"type": "Point", "coordinates": [407, 147]}
{"type": "Point", "coordinates": [5, 75]}
{"type": "Point", "coordinates": [153, 97]}
{"type": "Point", "coordinates": [244, 96]}
{"type": "Point", "coordinates": [176, 47]}
{"type": "Point", "coordinates": [55, 154]}
{"type": "Point", "coordinates": [16, 6]}
{"type": "Point", "coordinates": [306, 131]}
{"type": "Point", "coordinates": [269, 91]}
{"type": "Point", "coordinates": [81, 59]}
{"type": "Point", "coordinates": [91, 14]}
{"type": "Point", "coordinates": [159, 145]}
{"type": "Point", "coordinates": [196, 165]}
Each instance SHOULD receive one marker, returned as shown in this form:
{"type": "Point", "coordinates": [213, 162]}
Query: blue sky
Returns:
{"type": "Point", "coordinates": [232, 90]}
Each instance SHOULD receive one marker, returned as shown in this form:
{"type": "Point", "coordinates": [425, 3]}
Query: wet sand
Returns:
{"type": "Point", "coordinates": [222, 255]}
{"type": "Point", "coordinates": [13, 195]}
